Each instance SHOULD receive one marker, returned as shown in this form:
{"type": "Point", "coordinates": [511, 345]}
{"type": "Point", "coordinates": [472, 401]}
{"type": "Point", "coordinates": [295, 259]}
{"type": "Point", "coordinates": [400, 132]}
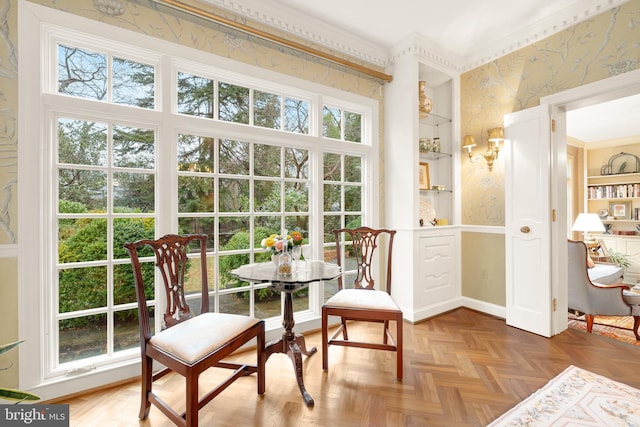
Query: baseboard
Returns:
{"type": "Point", "coordinates": [485, 307]}
{"type": "Point", "coordinates": [443, 307]}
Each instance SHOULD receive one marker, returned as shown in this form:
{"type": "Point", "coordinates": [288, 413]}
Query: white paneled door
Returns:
{"type": "Point", "coordinates": [528, 220]}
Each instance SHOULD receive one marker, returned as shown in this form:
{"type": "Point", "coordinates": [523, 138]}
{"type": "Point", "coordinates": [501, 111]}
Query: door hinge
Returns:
{"type": "Point", "coordinates": [553, 215]}
{"type": "Point", "coordinates": [553, 125]}
{"type": "Point", "coordinates": [555, 304]}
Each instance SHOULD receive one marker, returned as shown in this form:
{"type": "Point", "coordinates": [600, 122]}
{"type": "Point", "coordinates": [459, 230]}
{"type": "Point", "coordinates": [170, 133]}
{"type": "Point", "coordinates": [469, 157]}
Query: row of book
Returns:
{"type": "Point", "coordinates": [621, 191]}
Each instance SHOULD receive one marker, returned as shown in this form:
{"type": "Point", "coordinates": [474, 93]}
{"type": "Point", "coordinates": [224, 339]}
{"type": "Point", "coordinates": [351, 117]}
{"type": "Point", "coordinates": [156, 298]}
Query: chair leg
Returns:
{"type": "Point", "coordinates": [191, 412]}
{"type": "Point", "coordinates": [384, 332]}
{"type": "Point", "coordinates": [636, 326]}
{"type": "Point", "coordinates": [589, 318]}
{"type": "Point", "coordinates": [146, 383]}
{"type": "Point", "coordinates": [399, 347]}
{"type": "Point", "coordinates": [345, 334]}
{"type": "Point", "coordinates": [325, 342]}
{"type": "Point", "coordinates": [261, 357]}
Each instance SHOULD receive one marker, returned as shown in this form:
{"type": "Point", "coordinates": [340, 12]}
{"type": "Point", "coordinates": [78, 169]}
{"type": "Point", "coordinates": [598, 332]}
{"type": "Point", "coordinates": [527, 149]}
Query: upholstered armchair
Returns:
{"type": "Point", "coordinates": [594, 298]}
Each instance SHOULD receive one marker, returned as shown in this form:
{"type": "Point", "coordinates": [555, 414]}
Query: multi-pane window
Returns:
{"type": "Point", "coordinates": [340, 124]}
{"type": "Point", "coordinates": [105, 174]}
{"type": "Point", "coordinates": [240, 104]}
{"type": "Point", "coordinates": [343, 198]}
{"type": "Point", "coordinates": [233, 160]}
{"type": "Point", "coordinates": [92, 75]}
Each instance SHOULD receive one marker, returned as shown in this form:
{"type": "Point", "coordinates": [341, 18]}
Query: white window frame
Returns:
{"type": "Point", "coordinates": [36, 24]}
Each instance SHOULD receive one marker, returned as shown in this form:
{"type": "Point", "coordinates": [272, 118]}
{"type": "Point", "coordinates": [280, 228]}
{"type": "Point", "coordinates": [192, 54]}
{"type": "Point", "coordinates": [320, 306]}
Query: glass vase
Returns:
{"type": "Point", "coordinates": [284, 264]}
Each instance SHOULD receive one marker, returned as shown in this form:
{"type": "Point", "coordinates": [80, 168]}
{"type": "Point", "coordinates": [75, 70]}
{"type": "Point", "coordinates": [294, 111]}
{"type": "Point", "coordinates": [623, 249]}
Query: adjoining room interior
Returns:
{"type": "Point", "coordinates": [602, 148]}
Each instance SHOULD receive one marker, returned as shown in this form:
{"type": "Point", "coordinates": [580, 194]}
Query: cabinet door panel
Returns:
{"type": "Point", "coordinates": [632, 249]}
{"type": "Point", "coordinates": [435, 270]}
{"type": "Point", "coordinates": [611, 243]}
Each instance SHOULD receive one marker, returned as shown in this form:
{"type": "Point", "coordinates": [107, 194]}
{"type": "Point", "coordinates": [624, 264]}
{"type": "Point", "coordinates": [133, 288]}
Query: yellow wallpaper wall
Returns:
{"type": "Point", "coordinates": [604, 46]}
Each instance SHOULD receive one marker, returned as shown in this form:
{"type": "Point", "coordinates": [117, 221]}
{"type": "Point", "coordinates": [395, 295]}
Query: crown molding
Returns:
{"type": "Point", "coordinates": [339, 40]}
{"type": "Point", "coordinates": [545, 28]}
{"type": "Point", "coordinates": [299, 24]}
{"type": "Point", "coordinates": [422, 47]}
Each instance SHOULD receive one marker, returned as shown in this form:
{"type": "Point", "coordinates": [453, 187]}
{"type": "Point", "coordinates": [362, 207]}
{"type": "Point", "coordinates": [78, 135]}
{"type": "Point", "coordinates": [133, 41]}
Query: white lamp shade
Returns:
{"type": "Point", "coordinates": [587, 222]}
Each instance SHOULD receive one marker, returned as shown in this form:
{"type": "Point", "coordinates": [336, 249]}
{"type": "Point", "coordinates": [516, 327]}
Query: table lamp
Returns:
{"type": "Point", "coordinates": [587, 222]}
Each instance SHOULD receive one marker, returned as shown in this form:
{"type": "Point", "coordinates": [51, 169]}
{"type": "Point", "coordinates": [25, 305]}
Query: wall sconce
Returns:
{"type": "Point", "coordinates": [496, 135]}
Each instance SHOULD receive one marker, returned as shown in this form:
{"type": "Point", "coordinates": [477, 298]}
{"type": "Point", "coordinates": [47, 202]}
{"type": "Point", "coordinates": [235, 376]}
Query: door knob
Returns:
{"type": "Point", "coordinates": [525, 229]}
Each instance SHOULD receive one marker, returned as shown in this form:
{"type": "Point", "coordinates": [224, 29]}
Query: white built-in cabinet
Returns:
{"type": "Point", "coordinates": [629, 246]}
{"type": "Point", "coordinates": [426, 258]}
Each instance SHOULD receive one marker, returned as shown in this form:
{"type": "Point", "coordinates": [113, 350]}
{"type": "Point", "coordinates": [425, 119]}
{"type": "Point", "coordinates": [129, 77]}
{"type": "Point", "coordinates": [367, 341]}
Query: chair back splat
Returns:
{"type": "Point", "coordinates": [188, 343]}
{"type": "Point", "coordinates": [363, 302]}
{"type": "Point", "coordinates": [172, 261]}
{"type": "Point", "coordinates": [364, 244]}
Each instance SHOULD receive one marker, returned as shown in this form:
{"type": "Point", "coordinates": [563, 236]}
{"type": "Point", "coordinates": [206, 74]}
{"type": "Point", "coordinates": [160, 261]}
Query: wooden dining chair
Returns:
{"type": "Point", "coordinates": [363, 302]}
{"type": "Point", "coordinates": [188, 344]}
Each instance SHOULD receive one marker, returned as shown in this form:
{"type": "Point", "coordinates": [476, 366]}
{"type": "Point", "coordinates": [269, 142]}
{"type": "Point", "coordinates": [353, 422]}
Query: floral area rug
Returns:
{"type": "Point", "coordinates": [577, 398]}
{"type": "Point", "coordinates": [619, 328]}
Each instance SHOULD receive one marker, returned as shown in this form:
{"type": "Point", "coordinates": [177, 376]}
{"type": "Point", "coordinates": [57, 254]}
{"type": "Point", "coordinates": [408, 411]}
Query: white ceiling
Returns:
{"type": "Point", "coordinates": [613, 121]}
{"type": "Point", "coordinates": [469, 32]}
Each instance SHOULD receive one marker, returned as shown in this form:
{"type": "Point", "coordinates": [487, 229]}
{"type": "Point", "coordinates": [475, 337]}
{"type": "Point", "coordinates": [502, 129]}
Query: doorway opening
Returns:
{"type": "Point", "coordinates": [563, 106]}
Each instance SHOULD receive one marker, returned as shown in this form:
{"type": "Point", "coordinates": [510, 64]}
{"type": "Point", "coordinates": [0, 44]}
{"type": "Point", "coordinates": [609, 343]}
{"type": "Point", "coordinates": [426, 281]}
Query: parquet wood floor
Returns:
{"type": "Point", "coordinates": [462, 368]}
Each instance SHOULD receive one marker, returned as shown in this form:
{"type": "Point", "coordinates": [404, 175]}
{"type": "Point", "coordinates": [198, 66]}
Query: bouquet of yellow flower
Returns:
{"type": "Point", "coordinates": [275, 243]}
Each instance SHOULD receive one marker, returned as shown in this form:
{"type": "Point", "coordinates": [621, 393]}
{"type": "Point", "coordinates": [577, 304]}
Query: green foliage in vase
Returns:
{"type": "Point", "coordinates": [619, 258]}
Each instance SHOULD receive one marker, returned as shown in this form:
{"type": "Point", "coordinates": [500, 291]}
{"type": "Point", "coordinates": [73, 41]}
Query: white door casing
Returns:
{"type": "Point", "coordinates": [527, 220]}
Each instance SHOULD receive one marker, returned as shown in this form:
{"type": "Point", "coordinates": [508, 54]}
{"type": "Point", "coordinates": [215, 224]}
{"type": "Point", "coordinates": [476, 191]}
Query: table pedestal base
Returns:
{"type": "Point", "coordinates": [293, 346]}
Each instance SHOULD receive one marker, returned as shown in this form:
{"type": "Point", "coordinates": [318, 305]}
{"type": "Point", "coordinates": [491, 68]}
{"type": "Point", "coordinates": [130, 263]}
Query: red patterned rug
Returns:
{"type": "Point", "coordinates": [619, 328]}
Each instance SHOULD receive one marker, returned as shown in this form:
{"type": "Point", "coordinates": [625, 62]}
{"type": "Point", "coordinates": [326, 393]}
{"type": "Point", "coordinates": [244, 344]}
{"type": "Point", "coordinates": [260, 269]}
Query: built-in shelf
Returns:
{"type": "Point", "coordinates": [434, 120]}
{"type": "Point", "coordinates": [617, 176]}
{"type": "Point", "coordinates": [436, 191]}
{"type": "Point", "coordinates": [434, 155]}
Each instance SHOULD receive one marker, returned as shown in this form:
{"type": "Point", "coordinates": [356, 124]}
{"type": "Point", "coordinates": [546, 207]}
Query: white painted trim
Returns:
{"type": "Point", "coordinates": [526, 36]}
{"type": "Point", "coordinates": [418, 45]}
{"type": "Point", "coordinates": [298, 24]}
{"type": "Point", "coordinates": [415, 316]}
{"type": "Point", "coordinates": [485, 307]}
{"type": "Point", "coordinates": [489, 229]}
{"type": "Point", "coordinates": [8, 251]}
{"type": "Point", "coordinates": [30, 316]}
{"type": "Point", "coordinates": [608, 89]}
{"type": "Point", "coordinates": [271, 13]}
{"type": "Point", "coordinates": [619, 86]}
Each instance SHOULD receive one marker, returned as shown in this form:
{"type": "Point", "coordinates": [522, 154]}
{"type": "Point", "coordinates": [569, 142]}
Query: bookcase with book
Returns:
{"type": "Point", "coordinates": [613, 192]}
{"type": "Point", "coordinates": [616, 199]}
